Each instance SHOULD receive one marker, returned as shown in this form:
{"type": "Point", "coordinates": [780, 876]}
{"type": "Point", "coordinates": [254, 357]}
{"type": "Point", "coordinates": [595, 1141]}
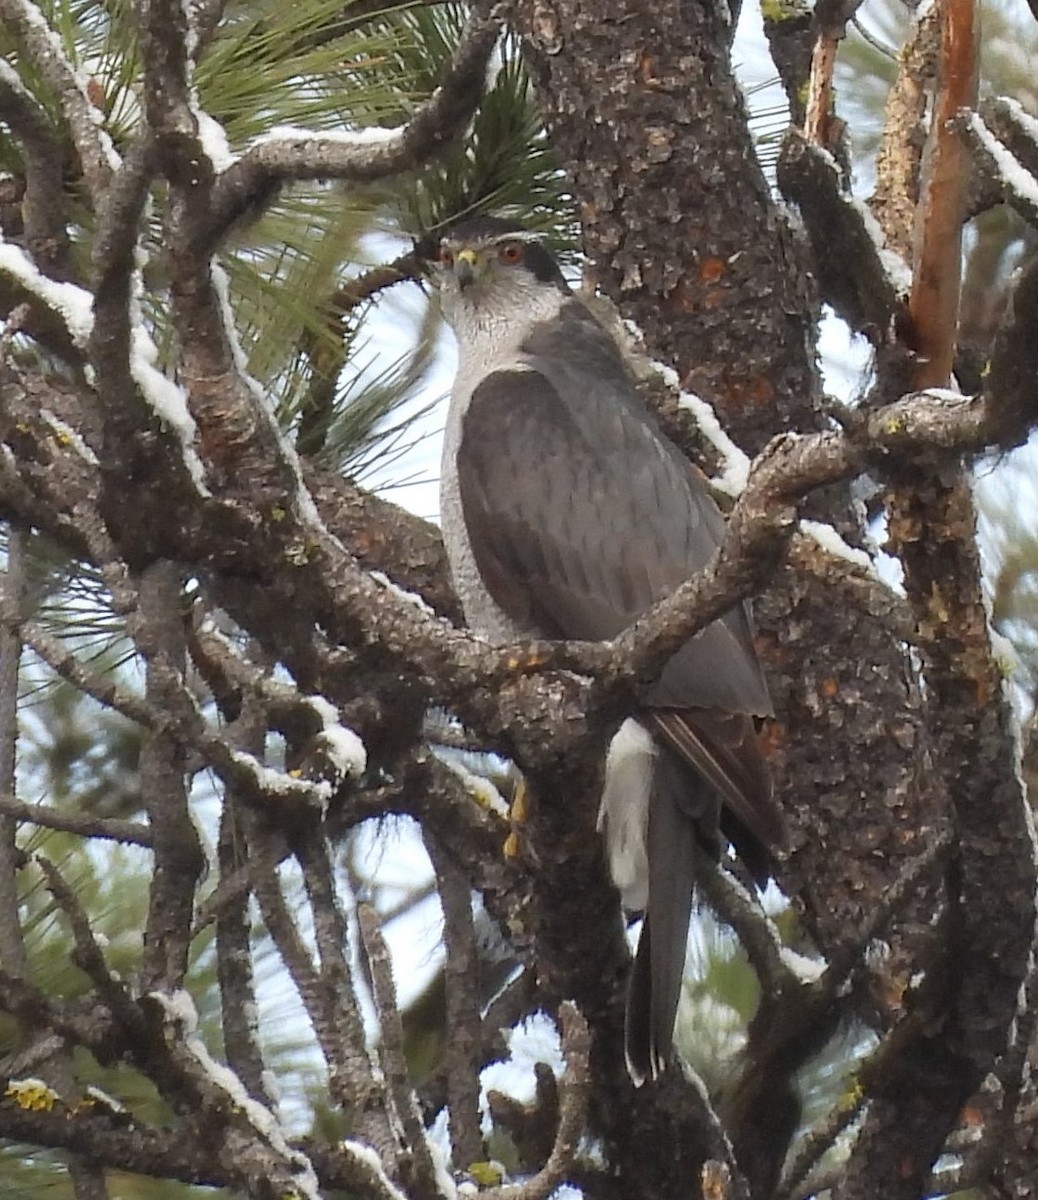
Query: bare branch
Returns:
{"type": "Point", "coordinates": [339, 1032]}
{"type": "Point", "coordinates": [818, 116]}
{"type": "Point", "coordinates": [179, 861]}
{"type": "Point", "coordinates": [817, 1141]}
{"type": "Point", "coordinates": [904, 132]}
{"type": "Point", "coordinates": [327, 351]}
{"type": "Point", "coordinates": [43, 204]}
{"type": "Point", "coordinates": [88, 955]}
{"type": "Point", "coordinates": [102, 686]}
{"type": "Point", "coordinates": [330, 935]}
{"type": "Point", "coordinates": [234, 965]}
{"type": "Point", "coordinates": [461, 981]}
{"type": "Point", "coordinates": [12, 945]}
{"type": "Point", "coordinates": [755, 931]}
{"type": "Point", "coordinates": [107, 828]}
{"type": "Point", "coordinates": [934, 302]}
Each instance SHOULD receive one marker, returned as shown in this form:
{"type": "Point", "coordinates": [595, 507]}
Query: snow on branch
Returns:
{"type": "Point", "coordinates": [361, 155]}
{"type": "Point", "coordinates": [1017, 186]}
{"type": "Point", "coordinates": [72, 305]}
{"type": "Point", "coordinates": [256, 1150]}
{"type": "Point", "coordinates": [864, 280]}
{"type": "Point", "coordinates": [735, 468]}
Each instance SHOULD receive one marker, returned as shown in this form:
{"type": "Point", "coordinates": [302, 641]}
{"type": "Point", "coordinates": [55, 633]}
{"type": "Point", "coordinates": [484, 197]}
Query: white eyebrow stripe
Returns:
{"type": "Point", "coordinates": [520, 235]}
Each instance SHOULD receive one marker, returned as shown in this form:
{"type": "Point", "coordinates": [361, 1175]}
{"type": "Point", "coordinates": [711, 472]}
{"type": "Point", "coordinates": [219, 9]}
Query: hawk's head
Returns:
{"type": "Point", "coordinates": [491, 270]}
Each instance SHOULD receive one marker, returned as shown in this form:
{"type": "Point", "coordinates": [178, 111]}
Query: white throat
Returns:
{"type": "Point", "coordinates": [491, 326]}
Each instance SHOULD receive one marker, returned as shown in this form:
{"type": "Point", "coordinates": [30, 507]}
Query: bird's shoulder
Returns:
{"type": "Point", "coordinates": [566, 392]}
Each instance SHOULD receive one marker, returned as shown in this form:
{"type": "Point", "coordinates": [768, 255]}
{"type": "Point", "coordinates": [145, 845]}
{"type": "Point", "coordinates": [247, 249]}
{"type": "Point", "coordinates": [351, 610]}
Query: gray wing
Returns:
{"type": "Point", "coordinates": [582, 516]}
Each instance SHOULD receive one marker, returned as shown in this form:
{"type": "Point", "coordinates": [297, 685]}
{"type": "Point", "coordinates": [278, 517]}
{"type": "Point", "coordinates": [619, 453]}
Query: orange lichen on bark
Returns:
{"type": "Point", "coordinates": [711, 269]}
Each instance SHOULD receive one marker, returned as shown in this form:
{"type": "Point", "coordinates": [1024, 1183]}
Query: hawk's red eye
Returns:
{"type": "Point", "coordinates": [510, 252]}
{"type": "Point", "coordinates": [446, 257]}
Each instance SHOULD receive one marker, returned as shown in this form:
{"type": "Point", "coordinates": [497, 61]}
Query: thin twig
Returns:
{"type": "Point", "coordinates": [234, 965]}
{"type": "Point", "coordinates": [131, 833]}
{"type": "Point", "coordinates": [818, 1140]}
{"type": "Point", "coordinates": [330, 935]}
{"type": "Point", "coordinates": [421, 1169]}
{"type": "Point", "coordinates": [159, 631]}
{"type": "Point", "coordinates": [88, 955]}
{"type": "Point", "coordinates": [755, 931]}
{"type": "Point", "coordinates": [461, 981]}
{"type": "Point", "coordinates": [100, 685]}
{"type": "Point", "coordinates": [12, 944]}
{"type": "Point", "coordinates": [352, 1079]}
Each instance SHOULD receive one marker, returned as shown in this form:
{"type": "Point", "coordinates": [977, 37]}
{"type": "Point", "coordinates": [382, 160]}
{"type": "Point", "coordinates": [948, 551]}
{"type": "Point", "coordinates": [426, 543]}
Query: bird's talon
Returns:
{"type": "Point", "coordinates": [520, 810]}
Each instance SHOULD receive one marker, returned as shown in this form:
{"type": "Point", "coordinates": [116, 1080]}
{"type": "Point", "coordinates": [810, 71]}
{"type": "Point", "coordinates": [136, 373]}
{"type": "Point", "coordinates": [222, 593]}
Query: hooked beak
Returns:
{"type": "Point", "coordinates": [465, 268]}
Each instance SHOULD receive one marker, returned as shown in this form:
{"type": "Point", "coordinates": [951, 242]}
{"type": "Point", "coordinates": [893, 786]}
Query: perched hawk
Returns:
{"type": "Point", "coordinates": [567, 514]}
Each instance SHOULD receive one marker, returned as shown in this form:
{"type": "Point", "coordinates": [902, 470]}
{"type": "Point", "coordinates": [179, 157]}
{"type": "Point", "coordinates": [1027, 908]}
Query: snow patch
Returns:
{"type": "Point", "coordinates": [833, 543]}
{"type": "Point", "coordinates": [897, 270]}
{"type": "Point", "coordinates": [359, 1152]}
{"type": "Point", "coordinates": [807, 970]}
{"type": "Point", "coordinates": [374, 135]}
{"type": "Point", "coordinates": [74, 305]}
{"type": "Point", "coordinates": [214, 141]}
{"type": "Point", "coordinates": [345, 751]}
{"type": "Point", "coordinates": [1012, 174]}
{"type": "Point", "coordinates": [69, 436]}
{"type": "Point", "coordinates": [280, 783]}
{"type": "Point", "coordinates": [167, 400]}
{"type": "Point", "coordinates": [182, 1015]}
{"type": "Point", "coordinates": [736, 463]}
{"type": "Point", "coordinates": [410, 597]}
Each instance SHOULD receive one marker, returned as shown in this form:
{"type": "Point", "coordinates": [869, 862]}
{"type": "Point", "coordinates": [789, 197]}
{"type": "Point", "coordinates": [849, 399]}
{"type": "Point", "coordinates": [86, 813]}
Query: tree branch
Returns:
{"type": "Point", "coordinates": [43, 204]}
{"type": "Point", "coordinates": [461, 982]}
{"type": "Point", "coordinates": [363, 155]}
{"type": "Point", "coordinates": [418, 1165]}
{"type": "Point", "coordinates": [41, 46]}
